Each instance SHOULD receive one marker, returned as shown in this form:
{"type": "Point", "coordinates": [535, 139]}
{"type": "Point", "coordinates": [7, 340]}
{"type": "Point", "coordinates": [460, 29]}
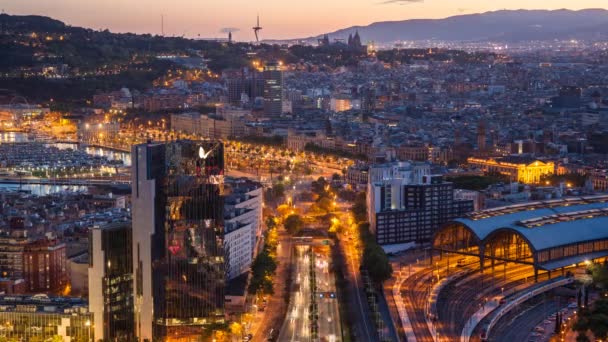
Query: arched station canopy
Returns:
{"type": "Point", "coordinates": [558, 232]}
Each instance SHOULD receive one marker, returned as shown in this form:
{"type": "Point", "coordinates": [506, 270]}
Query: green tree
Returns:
{"type": "Point", "coordinates": [595, 320]}
{"type": "Point", "coordinates": [325, 204]}
{"type": "Point", "coordinates": [318, 186]}
{"type": "Point", "coordinates": [347, 195]}
{"type": "Point", "coordinates": [581, 337]}
{"type": "Point", "coordinates": [598, 324]}
{"type": "Point", "coordinates": [359, 208]}
{"type": "Point", "coordinates": [263, 268]}
{"type": "Point", "coordinates": [271, 222]}
{"type": "Point", "coordinates": [476, 183]}
{"type": "Point", "coordinates": [278, 190]}
{"type": "Point", "coordinates": [294, 224]}
{"type": "Point", "coordinates": [599, 272]}
{"type": "Point", "coordinates": [376, 262]}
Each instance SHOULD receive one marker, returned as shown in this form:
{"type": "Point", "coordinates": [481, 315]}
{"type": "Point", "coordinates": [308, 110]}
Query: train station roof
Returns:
{"type": "Point", "coordinates": [546, 224]}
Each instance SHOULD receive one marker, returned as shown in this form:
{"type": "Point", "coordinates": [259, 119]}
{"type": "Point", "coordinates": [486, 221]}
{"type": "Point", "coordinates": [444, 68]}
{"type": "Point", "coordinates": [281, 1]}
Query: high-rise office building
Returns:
{"type": "Point", "coordinates": [252, 86]}
{"type": "Point", "coordinates": [406, 204]}
{"type": "Point", "coordinates": [111, 281]}
{"type": "Point", "coordinates": [178, 252]}
{"type": "Point", "coordinates": [273, 90]}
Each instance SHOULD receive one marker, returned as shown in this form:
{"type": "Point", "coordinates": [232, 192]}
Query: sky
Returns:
{"type": "Point", "coordinates": [280, 19]}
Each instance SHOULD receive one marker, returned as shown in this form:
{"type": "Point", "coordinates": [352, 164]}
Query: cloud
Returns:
{"type": "Point", "coordinates": [400, 2]}
{"type": "Point", "coordinates": [229, 29]}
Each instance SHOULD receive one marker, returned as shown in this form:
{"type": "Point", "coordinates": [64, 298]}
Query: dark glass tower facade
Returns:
{"type": "Point", "coordinates": [111, 281]}
{"type": "Point", "coordinates": [179, 261]}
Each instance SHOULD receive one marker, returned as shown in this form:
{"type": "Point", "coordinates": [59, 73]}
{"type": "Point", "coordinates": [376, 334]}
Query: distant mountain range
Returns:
{"type": "Point", "coordinates": [501, 26]}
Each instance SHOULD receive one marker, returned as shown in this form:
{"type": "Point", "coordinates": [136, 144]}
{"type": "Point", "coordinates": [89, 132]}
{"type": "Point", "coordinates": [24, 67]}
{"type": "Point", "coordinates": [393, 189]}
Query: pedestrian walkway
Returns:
{"type": "Point", "coordinates": [485, 310]}
{"type": "Point", "coordinates": [403, 275]}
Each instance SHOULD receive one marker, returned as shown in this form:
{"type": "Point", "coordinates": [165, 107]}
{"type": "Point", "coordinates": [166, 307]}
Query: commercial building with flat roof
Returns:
{"type": "Point", "coordinates": [406, 204]}
{"type": "Point", "coordinates": [43, 318]}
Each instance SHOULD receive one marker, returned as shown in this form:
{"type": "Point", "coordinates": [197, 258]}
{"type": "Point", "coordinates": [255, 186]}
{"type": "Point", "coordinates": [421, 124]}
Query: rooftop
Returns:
{"type": "Point", "coordinates": [546, 224]}
{"type": "Point", "coordinates": [41, 303]}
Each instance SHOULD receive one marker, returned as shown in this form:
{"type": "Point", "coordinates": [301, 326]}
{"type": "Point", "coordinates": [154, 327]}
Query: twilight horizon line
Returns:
{"type": "Point", "coordinates": [280, 20]}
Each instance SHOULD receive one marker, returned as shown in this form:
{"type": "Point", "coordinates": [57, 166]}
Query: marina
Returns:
{"type": "Point", "coordinates": [60, 164]}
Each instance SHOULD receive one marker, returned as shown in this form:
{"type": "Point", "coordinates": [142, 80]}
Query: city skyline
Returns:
{"type": "Point", "coordinates": [433, 180]}
{"type": "Point", "coordinates": [280, 20]}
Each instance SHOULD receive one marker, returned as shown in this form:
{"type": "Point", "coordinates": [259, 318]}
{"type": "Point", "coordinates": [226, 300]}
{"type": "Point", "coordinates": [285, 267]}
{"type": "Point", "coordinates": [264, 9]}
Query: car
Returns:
{"type": "Point", "coordinates": [540, 330]}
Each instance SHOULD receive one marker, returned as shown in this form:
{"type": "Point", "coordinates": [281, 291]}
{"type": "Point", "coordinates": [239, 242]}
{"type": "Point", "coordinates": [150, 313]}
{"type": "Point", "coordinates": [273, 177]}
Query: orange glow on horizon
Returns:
{"type": "Point", "coordinates": [279, 18]}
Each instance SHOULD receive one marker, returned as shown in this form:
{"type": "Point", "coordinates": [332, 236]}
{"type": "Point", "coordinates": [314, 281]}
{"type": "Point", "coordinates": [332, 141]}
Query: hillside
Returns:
{"type": "Point", "coordinates": [504, 25]}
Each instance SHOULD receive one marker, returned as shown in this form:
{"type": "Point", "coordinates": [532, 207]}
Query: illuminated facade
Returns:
{"type": "Point", "coordinates": [17, 113]}
{"type": "Point", "coordinates": [547, 235]}
{"type": "Point", "coordinates": [297, 140]}
{"type": "Point", "coordinates": [520, 169]}
{"type": "Point", "coordinates": [210, 126]}
{"type": "Point", "coordinates": [42, 318]}
{"type": "Point", "coordinates": [178, 238]}
{"type": "Point", "coordinates": [599, 179]}
{"type": "Point", "coordinates": [416, 153]}
{"type": "Point", "coordinates": [340, 104]}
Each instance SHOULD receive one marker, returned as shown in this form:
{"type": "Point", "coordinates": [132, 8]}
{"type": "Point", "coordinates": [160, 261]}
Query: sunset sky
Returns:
{"type": "Point", "coordinates": [279, 18]}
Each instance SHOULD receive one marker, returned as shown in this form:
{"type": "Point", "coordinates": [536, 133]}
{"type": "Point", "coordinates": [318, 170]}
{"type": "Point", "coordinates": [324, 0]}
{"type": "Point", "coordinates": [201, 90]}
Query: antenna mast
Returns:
{"type": "Point", "coordinates": [257, 29]}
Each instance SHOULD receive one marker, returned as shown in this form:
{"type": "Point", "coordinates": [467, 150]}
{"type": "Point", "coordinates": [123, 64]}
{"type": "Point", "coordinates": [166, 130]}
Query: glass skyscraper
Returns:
{"type": "Point", "coordinates": [178, 253]}
{"type": "Point", "coordinates": [111, 281]}
{"type": "Point", "coordinates": [273, 90]}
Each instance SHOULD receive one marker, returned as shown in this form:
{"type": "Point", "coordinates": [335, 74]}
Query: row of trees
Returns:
{"type": "Point", "coordinates": [310, 147]}
{"type": "Point", "coordinates": [264, 266]}
{"type": "Point", "coordinates": [375, 260]}
{"type": "Point", "coordinates": [477, 183]}
{"type": "Point", "coordinates": [594, 318]}
{"type": "Point", "coordinates": [572, 179]}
